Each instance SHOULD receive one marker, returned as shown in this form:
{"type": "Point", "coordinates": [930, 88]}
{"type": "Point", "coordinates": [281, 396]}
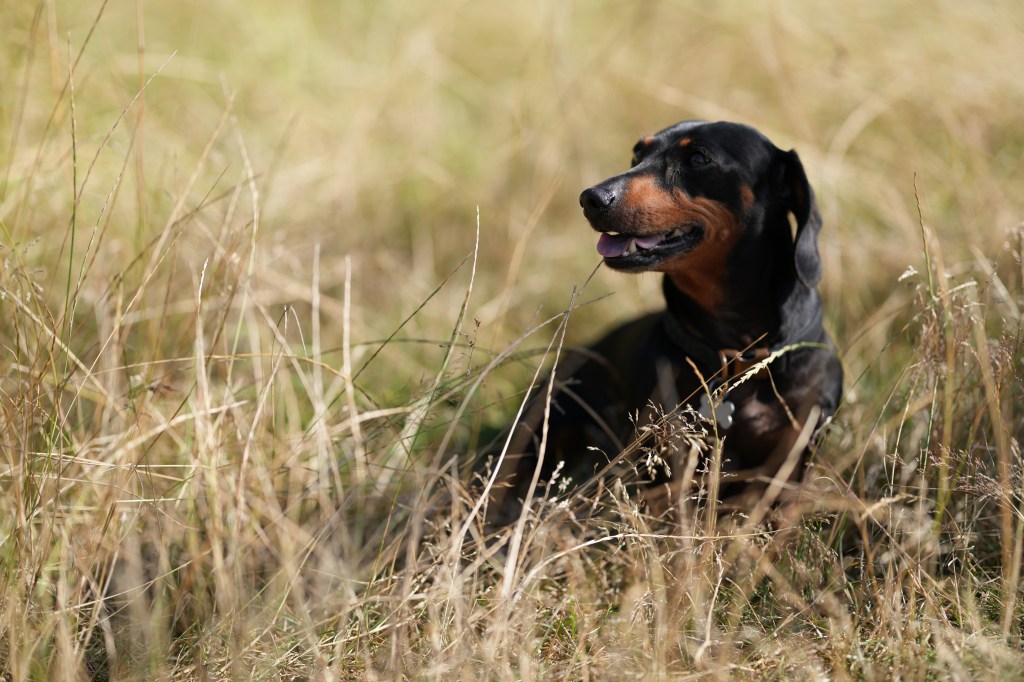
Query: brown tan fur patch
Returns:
{"type": "Point", "coordinates": [698, 273]}
{"type": "Point", "coordinates": [747, 197]}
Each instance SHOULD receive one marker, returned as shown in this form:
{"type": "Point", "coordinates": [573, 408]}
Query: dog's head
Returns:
{"type": "Point", "coordinates": [697, 195]}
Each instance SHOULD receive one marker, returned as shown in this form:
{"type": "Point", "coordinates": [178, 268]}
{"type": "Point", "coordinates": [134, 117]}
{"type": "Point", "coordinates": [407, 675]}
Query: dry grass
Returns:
{"type": "Point", "coordinates": [272, 274]}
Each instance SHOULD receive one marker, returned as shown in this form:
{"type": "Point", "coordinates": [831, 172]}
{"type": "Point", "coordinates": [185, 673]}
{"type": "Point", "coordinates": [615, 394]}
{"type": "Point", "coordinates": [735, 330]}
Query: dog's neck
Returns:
{"type": "Point", "coordinates": [755, 309]}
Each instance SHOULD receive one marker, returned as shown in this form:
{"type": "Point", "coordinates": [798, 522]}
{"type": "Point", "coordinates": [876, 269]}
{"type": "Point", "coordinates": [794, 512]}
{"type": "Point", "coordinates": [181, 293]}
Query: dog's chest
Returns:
{"type": "Point", "coordinates": [752, 414]}
{"type": "Point", "coordinates": [759, 415]}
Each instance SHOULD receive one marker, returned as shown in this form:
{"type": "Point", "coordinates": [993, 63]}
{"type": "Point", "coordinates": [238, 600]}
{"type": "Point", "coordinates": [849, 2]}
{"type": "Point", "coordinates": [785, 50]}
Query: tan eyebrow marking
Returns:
{"type": "Point", "coordinates": [747, 196]}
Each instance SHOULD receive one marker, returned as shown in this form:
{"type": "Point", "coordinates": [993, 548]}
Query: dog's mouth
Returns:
{"type": "Point", "coordinates": [635, 252]}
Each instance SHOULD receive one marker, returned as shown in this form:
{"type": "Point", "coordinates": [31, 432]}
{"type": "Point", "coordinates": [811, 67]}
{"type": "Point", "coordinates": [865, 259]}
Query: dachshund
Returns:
{"type": "Point", "coordinates": [740, 340]}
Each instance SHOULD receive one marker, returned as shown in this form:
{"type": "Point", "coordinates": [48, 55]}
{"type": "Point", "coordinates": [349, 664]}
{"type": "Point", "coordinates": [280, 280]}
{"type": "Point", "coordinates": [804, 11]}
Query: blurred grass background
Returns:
{"type": "Point", "coordinates": [187, 187]}
{"type": "Point", "coordinates": [377, 131]}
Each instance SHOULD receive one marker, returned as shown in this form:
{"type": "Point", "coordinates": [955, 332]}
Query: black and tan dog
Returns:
{"type": "Point", "coordinates": [708, 205]}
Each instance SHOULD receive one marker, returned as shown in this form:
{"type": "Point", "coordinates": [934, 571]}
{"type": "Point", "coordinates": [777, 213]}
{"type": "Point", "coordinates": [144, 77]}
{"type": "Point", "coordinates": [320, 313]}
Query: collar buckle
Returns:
{"type": "Point", "coordinates": [736, 362]}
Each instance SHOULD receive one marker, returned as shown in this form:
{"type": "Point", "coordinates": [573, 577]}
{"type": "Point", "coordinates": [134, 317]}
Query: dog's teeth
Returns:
{"type": "Point", "coordinates": [631, 249]}
{"type": "Point", "coordinates": [675, 233]}
{"type": "Point", "coordinates": [687, 229]}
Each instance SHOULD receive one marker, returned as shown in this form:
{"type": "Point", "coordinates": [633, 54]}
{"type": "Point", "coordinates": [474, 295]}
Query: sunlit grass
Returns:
{"type": "Point", "coordinates": [274, 275]}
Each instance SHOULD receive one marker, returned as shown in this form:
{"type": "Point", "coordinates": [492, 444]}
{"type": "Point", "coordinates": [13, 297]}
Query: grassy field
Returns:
{"type": "Point", "coordinates": [273, 273]}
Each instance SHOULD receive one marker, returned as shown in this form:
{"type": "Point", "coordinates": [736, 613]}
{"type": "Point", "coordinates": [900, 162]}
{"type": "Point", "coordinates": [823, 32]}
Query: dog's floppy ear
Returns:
{"type": "Point", "coordinates": [800, 201]}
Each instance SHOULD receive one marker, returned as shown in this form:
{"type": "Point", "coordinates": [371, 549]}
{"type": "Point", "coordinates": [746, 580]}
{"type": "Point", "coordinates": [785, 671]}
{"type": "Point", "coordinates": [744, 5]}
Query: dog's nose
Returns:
{"type": "Point", "coordinates": [596, 200]}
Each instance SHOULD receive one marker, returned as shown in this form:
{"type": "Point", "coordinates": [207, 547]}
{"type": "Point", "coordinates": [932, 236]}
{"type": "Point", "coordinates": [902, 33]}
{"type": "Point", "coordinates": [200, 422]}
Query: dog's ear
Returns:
{"type": "Point", "coordinates": [800, 201]}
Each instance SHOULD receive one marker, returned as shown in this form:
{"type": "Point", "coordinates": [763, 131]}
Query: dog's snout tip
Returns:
{"type": "Point", "coordinates": [596, 199]}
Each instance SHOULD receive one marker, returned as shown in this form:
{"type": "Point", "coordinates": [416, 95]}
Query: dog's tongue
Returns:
{"type": "Point", "coordinates": [612, 246]}
{"type": "Point", "coordinates": [648, 242]}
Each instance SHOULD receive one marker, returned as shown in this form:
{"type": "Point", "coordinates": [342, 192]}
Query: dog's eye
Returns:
{"type": "Point", "coordinates": [697, 160]}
